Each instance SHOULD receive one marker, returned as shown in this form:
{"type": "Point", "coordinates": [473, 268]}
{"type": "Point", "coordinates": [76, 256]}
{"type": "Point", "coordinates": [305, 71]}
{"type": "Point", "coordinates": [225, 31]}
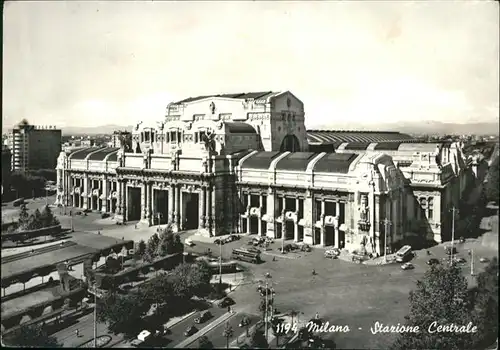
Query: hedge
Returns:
{"type": "Point", "coordinates": [47, 231]}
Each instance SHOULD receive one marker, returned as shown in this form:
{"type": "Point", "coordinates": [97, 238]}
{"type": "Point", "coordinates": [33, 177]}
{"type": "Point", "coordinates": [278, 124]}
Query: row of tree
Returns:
{"type": "Point", "coordinates": [159, 245]}
{"type": "Point", "coordinates": [167, 292]}
{"type": "Point", "coordinates": [443, 296]}
{"type": "Point", "coordinates": [31, 183]}
{"type": "Point", "coordinates": [37, 220]}
{"type": "Point", "coordinates": [492, 186]}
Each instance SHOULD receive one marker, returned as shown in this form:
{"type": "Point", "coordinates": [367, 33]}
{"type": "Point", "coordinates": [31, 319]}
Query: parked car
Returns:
{"type": "Point", "coordinates": [189, 242]}
{"type": "Point", "coordinates": [226, 302]}
{"type": "Point", "coordinates": [407, 266]}
{"type": "Point", "coordinates": [484, 260]}
{"type": "Point", "coordinates": [104, 215]}
{"type": "Point", "coordinates": [205, 315]}
{"type": "Point", "coordinates": [190, 331]}
{"type": "Point", "coordinates": [459, 260]}
{"type": "Point", "coordinates": [433, 261]}
{"type": "Point", "coordinates": [305, 248]}
{"type": "Point", "coordinates": [330, 254]}
{"type": "Point", "coordinates": [252, 250]}
{"type": "Point", "coordinates": [219, 241]}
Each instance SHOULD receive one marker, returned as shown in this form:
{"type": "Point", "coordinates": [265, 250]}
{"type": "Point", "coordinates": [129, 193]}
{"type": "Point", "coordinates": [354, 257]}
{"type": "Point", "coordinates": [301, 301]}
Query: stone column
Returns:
{"type": "Point", "coordinates": [259, 229]}
{"type": "Point", "coordinates": [104, 207]}
{"type": "Point", "coordinates": [143, 201]}
{"type": "Point", "coordinates": [203, 206]}
{"type": "Point", "coordinates": [322, 218]}
{"type": "Point", "coordinates": [296, 223]}
{"type": "Point", "coordinates": [152, 209]}
{"type": "Point", "coordinates": [177, 206]}
{"type": "Point", "coordinates": [271, 213]}
{"type": "Point", "coordinates": [124, 198]}
{"type": "Point", "coordinates": [208, 209]}
{"type": "Point", "coordinates": [308, 219]}
{"type": "Point", "coordinates": [85, 191]}
{"type": "Point", "coordinates": [337, 214]}
{"type": "Point", "coordinates": [214, 211]}
{"type": "Point", "coordinates": [171, 209]}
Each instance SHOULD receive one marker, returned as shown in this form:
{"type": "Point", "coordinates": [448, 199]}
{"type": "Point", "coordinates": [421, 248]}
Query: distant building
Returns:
{"type": "Point", "coordinates": [6, 168]}
{"type": "Point", "coordinates": [34, 147]}
{"type": "Point", "coordinates": [121, 137]}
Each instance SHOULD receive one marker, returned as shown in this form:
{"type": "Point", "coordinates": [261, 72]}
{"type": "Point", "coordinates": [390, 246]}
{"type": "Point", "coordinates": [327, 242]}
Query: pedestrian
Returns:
{"type": "Point", "coordinates": [316, 316]}
{"type": "Point", "coordinates": [77, 332]}
{"type": "Point", "coordinates": [274, 258]}
{"type": "Point", "coordinates": [136, 226]}
{"type": "Point", "coordinates": [229, 309]}
{"type": "Point", "coordinates": [314, 272]}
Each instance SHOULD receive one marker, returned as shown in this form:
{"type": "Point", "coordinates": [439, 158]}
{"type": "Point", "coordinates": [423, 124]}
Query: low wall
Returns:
{"type": "Point", "coordinates": [47, 231]}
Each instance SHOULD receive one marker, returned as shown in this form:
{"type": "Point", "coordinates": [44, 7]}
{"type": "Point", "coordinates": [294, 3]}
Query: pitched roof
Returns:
{"type": "Point", "coordinates": [335, 163]}
{"type": "Point", "coordinates": [239, 96]}
{"type": "Point", "coordinates": [341, 136]}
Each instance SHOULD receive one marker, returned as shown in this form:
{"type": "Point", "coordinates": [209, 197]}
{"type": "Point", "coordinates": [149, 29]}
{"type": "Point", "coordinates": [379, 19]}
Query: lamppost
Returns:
{"type": "Point", "coordinates": [453, 210]}
{"type": "Point", "coordinates": [386, 223]}
{"type": "Point", "coordinates": [95, 316]}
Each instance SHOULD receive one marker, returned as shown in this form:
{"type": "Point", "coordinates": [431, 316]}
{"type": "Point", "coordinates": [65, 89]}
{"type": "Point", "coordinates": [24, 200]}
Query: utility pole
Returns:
{"type": "Point", "coordinates": [386, 223]}
{"type": "Point", "coordinates": [453, 210]}
{"type": "Point", "coordinates": [46, 201]}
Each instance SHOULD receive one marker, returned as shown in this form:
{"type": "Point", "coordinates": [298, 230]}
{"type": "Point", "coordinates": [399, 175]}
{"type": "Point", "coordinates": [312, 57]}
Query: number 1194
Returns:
{"type": "Point", "coordinates": [286, 327]}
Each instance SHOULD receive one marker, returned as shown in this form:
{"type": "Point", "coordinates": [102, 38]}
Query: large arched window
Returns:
{"type": "Point", "coordinates": [290, 144]}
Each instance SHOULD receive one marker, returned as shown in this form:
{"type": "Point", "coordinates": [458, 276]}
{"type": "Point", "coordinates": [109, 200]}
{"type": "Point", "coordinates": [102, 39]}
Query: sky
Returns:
{"type": "Point", "coordinates": [98, 63]}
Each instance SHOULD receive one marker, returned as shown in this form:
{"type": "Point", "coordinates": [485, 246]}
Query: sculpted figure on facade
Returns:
{"type": "Point", "coordinates": [363, 209]}
{"type": "Point", "coordinates": [120, 157]}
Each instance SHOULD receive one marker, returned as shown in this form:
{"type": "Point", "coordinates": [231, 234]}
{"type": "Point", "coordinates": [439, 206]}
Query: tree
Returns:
{"type": "Point", "coordinates": [191, 279]}
{"type": "Point", "coordinates": [441, 298]}
{"type": "Point", "coordinates": [32, 336]}
{"type": "Point", "coordinates": [122, 313]}
{"type": "Point", "coordinates": [47, 218]}
{"type": "Point", "coordinates": [166, 244]}
{"type": "Point", "coordinates": [486, 306]}
{"type": "Point", "coordinates": [141, 248]}
{"type": "Point", "coordinates": [23, 215]}
{"type": "Point", "coordinates": [204, 343]}
{"type": "Point", "coordinates": [227, 333]}
{"type": "Point", "coordinates": [151, 248]}
{"type": "Point", "coordinates": [492, 186]}
{"type": "Point", "coordinates": [158, 290]}
{"type": "Point", "coordinates": [258, 340]}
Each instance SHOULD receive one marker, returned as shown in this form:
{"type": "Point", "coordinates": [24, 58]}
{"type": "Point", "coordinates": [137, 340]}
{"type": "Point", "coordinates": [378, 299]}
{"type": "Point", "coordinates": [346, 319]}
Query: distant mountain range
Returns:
{"type": "Point", "coordinates": [423, 127]}
{"type": "Point", "coordinates": [95, 130]}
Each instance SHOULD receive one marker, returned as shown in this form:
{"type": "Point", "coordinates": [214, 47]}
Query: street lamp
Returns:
{"type": "Point", "coordinates": [472, 262]}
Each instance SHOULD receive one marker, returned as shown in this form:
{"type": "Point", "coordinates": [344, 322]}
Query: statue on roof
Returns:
{"type": "Point", "coordinates": [208, 138]}
{"type": "Point", "coordinates": [137, 125]}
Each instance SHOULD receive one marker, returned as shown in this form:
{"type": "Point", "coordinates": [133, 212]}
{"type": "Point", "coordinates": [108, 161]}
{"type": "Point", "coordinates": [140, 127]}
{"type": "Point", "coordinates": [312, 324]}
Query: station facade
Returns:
{"type": "Point", "coordinates": [245, 163]}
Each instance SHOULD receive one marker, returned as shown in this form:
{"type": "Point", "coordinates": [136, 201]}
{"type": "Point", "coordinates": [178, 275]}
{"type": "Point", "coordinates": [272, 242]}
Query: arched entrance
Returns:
{"type": "Point", "coordinates": [290, 143]}
{"type": "Point", "coordinates": [134, 204]}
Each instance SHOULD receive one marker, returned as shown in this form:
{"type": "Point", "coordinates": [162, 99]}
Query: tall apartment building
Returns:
{"type": "Point", "coordinates": [6, 168]}
{"type": "Point", "coordinates": [34, 147]}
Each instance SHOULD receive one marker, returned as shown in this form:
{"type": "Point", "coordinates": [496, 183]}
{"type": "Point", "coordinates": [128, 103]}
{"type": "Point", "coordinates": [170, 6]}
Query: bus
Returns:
{"type": "Point", "coordinates": [245, 255]}
{"type": "Point", "coordinates": [404, 254]}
